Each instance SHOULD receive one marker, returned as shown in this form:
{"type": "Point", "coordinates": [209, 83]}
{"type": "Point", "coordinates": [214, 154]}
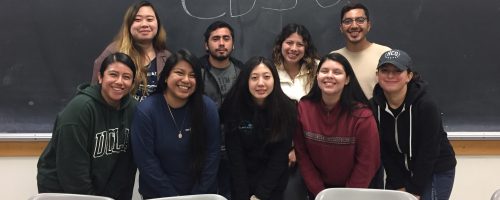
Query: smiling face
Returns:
{"type": "Point", "coordinates": [292, 49]}
{"type": "Point", "coordinates": [116, 82]}
{"type": "Point", "coordinates": [220, 44]}
{"type": "Point", "coordinates": [355, 31]}
{"type": "Point", "coordinates": [332, 78]}
{"type": "Point", "coordinates": [145, 25]}
{"type": "Point", "coordinates": [260, 83]}
{"type": "Point", "coordinates": [181, 83]}
{"type": "Point", "coordinates": [393, 80]}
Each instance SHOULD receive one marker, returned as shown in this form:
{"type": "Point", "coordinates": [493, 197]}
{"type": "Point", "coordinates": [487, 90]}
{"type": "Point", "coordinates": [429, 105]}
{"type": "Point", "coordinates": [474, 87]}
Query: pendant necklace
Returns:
{"type": "Point", "coordinates": [179, 129]}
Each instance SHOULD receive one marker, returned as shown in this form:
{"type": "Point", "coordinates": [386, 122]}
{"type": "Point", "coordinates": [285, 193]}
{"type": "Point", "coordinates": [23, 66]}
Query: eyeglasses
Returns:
{"type": "Point", "coordinates": [358, 20]}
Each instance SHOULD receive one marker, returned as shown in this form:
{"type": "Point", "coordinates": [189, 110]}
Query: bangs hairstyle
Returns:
{"type": "Point", "coordinates": [126, 44]}
{"type": "Point", "coordinates": [281, 110]}
{"type": "Point", "coordinates": [310, 52]}
{"type": "Point", "coordinates": [352, 97]}
{"type": "Point", "coordinates": [196, 108]}
{"type": "Point", "coordinates": [118, 57]}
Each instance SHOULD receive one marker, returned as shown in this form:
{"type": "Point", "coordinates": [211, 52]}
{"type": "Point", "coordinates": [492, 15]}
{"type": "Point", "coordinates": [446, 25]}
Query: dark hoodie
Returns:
{"type": "Point", "coordinates": [414, 144]}
{"type": "Point", "coordinates": [89, 152]}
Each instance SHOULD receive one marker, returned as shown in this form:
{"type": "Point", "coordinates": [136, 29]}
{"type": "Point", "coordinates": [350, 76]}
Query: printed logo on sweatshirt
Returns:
{"type": "Point", "coordinates": [245, 126]}
{"type": "Point", "coordinates": [331, 140]}
{"type": "Point", "coordinates": [111, 142]}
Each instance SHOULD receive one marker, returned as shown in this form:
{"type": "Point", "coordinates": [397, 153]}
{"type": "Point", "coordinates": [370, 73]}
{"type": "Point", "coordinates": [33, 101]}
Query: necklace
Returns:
{"type": "Point", "coordinates": [179, 129]}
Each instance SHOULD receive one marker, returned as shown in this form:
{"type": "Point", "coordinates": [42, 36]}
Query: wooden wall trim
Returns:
{"type": "Point", "coordinates": [22, 148]}
{"type": "Point", "coordinates": [476, 147]}
{"type": "Point", "coordinates": [462, 147]}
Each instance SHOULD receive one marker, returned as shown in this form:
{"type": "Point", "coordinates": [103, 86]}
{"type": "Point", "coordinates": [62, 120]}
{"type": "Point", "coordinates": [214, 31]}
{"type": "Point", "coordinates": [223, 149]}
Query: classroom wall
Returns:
{"type": "Point", "coordinates": [477, 177]}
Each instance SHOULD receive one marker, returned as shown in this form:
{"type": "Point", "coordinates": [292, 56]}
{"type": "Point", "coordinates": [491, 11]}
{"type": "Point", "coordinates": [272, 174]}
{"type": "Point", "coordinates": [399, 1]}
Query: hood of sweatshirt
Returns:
{"type": "Point", "coordinates": [416, 90]}
{"type": "Point", "coordinates": [94, 91]}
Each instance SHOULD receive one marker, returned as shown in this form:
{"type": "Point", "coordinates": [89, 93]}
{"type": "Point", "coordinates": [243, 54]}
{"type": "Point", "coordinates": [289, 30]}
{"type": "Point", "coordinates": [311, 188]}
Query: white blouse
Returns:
{"type": "Point", "coordinates": [294, 89]}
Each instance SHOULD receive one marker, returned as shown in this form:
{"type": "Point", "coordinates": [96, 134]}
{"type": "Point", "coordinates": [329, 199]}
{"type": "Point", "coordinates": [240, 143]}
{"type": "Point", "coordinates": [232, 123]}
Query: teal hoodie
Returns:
{"type": "Point", "coordinates": [90, 151]}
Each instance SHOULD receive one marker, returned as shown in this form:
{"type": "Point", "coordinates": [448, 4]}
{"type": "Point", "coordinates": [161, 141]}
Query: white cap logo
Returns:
{"type": "Point", "coordinates": [392, 54]}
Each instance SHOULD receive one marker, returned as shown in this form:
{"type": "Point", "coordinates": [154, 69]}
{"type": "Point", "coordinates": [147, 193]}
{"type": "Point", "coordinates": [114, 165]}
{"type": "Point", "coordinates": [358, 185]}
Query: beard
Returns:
{"type": "Point", "coordinates": [220, 57]}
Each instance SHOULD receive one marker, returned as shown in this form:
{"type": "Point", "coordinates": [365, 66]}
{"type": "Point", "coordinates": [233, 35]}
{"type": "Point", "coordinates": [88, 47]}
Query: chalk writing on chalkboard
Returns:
{"type": "Point", "coordinates": [231, 14]}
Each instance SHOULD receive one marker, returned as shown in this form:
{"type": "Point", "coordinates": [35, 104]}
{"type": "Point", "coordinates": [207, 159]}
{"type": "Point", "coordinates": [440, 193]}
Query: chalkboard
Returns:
{"type": "Point", "coordinates": [47, 47]}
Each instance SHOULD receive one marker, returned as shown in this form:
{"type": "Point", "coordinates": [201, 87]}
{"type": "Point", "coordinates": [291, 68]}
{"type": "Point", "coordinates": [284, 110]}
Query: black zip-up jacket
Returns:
{"type": "Point", "coordinates": [414, 144]}
{"type": "Point", "coordinates": [258, 167]}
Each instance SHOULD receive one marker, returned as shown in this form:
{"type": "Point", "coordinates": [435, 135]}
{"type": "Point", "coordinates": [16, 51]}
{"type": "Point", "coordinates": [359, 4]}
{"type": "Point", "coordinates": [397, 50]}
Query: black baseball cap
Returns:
{"type": "Point", "coordinates": [397, 57]}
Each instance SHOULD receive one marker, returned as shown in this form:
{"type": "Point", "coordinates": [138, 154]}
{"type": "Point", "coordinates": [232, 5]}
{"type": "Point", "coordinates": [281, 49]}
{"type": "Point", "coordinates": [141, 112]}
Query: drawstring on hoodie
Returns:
{"type": "Point", "coordinates": [396, 132]}
{"type": "Point", "coordinates": [411, 132]}
{"type": "Point", "coordinates": [378, 115]}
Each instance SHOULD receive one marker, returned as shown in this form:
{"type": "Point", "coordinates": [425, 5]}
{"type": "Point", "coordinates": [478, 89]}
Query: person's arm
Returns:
{"type": "Point", "coordinates": [428, 146]}
{"type": "Point", "coordinates": [143, 144]}
{"type": "Point", "coordinates": [111, 48]}
{"type": "Point", "coordinates": [292, 158]}
{"type": "Point", "coordinates": [73, 159]}
{"type": "Point", "coordinates": [208, 176]}
{"type": "Point", "coordinates": [235, 151]}
{"type": "Point", "coordinates": [278, 163]}
{"type": "Point", "coordinates": [311, 176]}
{"type": "Point", "coordinates": [367, 156]}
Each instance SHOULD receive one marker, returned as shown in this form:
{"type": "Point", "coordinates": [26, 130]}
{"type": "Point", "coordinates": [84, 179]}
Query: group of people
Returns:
{"type": "Point", "coordinates": [280, 128]}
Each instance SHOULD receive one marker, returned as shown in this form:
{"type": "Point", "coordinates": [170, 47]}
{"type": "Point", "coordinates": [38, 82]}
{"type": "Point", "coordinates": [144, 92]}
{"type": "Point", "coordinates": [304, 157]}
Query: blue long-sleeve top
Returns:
{"type": "Point", "coordinates": [163, 158]}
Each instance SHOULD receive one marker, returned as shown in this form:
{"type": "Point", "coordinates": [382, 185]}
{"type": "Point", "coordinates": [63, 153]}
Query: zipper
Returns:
{"type": "Point", "coordinates": [396, 135]}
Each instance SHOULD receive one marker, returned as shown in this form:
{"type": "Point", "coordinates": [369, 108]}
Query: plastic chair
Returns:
{"type": "Point", "coordinates": [65, 196]}
{"type": "Point", "coordinates": [363, 194]}
{"type": "Point", "coordinates": [194, 197]}
{"type": "Point", "coordinates": [496, 195]}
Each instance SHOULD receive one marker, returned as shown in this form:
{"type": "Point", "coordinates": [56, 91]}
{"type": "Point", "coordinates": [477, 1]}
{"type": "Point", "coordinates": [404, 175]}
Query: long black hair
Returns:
{"type": "Point", "coordinates": [280, 110]}
{"type": "Point", "coordinates": [195, 106]}
{"type": "Point", "coordinates": [352, 95]}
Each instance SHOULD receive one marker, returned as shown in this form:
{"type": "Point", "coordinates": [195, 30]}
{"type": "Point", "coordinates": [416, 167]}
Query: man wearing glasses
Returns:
{"type": "Point", "coordinates": [362, 54]}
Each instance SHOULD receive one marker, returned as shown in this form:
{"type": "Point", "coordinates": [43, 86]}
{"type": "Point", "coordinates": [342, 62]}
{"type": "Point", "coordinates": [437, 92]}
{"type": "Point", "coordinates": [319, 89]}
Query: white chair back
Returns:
{"type": "Point", "coordinates": [363, 194]}
{"type": "Point", "coordinates": [194, 197]}
{"type": "Point", "coordinates": [496, 195]}
{"type": "Point", "coordinates": [65, 196]}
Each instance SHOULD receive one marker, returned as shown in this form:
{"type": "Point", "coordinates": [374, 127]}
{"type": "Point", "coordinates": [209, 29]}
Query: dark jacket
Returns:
{"type": "Point", "coordinates": [89, 152]}
{"type": "Point", "coordinates": [258, 167]}
{"type": "Point", "coordinates": [414, 144]}
{"type": "Point", "coordinates": [212, 88]}
{"type": "Point", "coordinates": [164, 160]}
